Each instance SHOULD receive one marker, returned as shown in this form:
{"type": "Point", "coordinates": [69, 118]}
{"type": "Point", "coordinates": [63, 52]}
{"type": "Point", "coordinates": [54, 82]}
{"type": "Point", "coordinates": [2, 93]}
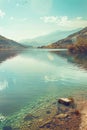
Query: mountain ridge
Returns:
{"type": "Point", "coordinates": [6, 43]}
{"type": "Point", "coordinates": [47, 39]}
{"type": "Point", "coordinates": [71, 39]}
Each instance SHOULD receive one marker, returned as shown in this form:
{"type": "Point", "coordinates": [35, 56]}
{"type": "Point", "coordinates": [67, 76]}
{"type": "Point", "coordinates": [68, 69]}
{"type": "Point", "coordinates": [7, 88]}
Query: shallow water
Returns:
{"type": "Point", "coordinates": [30, 78]}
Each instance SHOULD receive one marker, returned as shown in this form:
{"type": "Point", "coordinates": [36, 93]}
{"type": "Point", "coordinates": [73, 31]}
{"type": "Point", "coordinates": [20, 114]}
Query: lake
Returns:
{"type": "Point", "coordinates": [30, 78]}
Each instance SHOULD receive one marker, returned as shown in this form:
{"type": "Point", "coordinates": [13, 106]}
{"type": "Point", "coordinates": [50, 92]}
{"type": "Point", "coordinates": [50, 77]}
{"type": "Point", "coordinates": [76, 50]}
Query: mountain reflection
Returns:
{"type": "Point", "coordinates": [4, 55]}
{"type": "Point", "coordinates": [79, 59]}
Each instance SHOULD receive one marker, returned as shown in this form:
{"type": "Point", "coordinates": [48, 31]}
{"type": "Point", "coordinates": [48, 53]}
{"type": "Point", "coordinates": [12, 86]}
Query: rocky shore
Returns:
{"type": "Point", "coordinates": [71, 117]}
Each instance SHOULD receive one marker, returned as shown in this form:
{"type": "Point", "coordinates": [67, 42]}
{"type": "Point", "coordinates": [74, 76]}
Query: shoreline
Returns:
{"type": "Point", "coordinates": [52, 121]}
{"type": "Point", "coordinates": [73, 120]}
{"type": "Point", "coordinates": [47, 118]}
{"type": "Point", "coordinates": [83, 125]}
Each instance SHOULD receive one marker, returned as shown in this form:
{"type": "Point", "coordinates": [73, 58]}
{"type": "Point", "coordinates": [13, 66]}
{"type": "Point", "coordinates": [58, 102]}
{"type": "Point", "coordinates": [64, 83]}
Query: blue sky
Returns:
{"type": "Point", "coordinates": [21, 19]}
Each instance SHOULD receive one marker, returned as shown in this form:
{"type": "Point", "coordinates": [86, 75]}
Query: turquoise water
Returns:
{"type": "Point", "coordinates": [29, 78]}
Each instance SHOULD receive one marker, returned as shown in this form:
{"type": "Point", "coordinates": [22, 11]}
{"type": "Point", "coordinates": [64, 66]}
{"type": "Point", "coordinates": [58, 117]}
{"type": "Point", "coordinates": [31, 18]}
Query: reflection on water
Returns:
{"type": "Point", "coordinates": [4, 55]}
{"type": "Point", "coordinates": [31, 78]}
{"type": "Point", "coordinates": [3, 85]}
{"type": "Point", "coordinates": [79, 59]}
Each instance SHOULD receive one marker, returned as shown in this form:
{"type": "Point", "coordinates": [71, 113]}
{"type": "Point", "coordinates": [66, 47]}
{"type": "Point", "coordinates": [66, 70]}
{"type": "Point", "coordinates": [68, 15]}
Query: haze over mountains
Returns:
{"type": "Point", "coordinates": [47, 39]}
{"type": "Point", "coordinates": [51, 40]}
{"type": "Point", "coordinates": [71, 39]}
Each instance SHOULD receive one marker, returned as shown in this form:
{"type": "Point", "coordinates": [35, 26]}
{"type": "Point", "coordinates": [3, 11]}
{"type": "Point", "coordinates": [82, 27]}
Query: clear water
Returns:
{"type": "Point", "coordinates": [29, 78]}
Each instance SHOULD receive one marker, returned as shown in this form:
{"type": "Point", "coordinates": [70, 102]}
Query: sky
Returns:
{"type": "Point", "coordinates": [26, 19]}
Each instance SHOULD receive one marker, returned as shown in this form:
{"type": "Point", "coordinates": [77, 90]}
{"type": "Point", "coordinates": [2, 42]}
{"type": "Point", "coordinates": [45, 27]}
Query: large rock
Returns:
{"type": "Point", "coordinates": [66, 101]}
{"type": "Point", "coordinates": [61, 116]}
{"type": "Point", "coordinates": [65, 104]}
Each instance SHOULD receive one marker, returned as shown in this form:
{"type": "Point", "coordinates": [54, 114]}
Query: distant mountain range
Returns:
{"type": "Point", "coordinates": [6, 43]}
{"type": "Point", "coordinates": [47, 39]}
{"type": "Point", "coordinates": [43, 41]}
{"type": "Point", "coordinates": [71, 39]}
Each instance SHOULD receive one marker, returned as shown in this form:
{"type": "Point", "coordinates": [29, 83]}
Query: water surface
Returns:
{"type": "Point", "coordinates": [29, 78]}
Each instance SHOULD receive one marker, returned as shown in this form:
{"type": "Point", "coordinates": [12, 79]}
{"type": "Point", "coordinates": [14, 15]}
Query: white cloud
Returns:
{"type": "Point", "coordinates": [2, 14]}
{"type": "Point", "coordinates": [24, 19]}
{"type": "Point", "coordinates": [79, 18]}
{"type": "Point", "coordinates": [63, 22]}
{"type": "Point", "coordinates": [48, 19]}
{"type": "Point", "coordinates": [18, 19]}
{"type": "Point", "coordinates": [51, 78]}
{"type": "Point", "coordinates": [11, 18]}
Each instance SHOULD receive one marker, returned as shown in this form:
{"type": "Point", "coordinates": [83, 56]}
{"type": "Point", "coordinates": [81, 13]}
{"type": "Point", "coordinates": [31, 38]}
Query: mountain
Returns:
{"type": "Point", "coordinates": [71, 39]}
{"type": "Point", "coordinates": [46, 39]}
{"type": "Point", "coordinates": [6, 43]}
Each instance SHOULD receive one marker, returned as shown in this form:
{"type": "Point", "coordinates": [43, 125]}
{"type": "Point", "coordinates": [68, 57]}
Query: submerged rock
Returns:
{"type": "Point", "coordinates": [62, 116]}
{"type": "Point", "coordinates": [48, 122]}
{"type": "Point", "coordinates": [48, 112]}
{"type": "Point", "coordinates": [29, 117]}
{"type": "Point", "coordinates": [16, 128]}
{"type": "Point", "coordinates": [68, 121]}
{"type": "Point", "coordinates": [7, 128]}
